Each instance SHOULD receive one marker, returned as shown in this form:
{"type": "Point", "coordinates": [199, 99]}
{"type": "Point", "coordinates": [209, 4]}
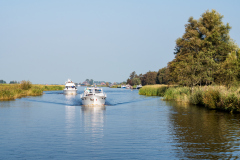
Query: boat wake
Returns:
{"type": "Point", "coordinates": [127, 102]}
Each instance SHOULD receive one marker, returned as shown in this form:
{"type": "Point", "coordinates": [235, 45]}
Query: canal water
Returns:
{"type": "Point", "coordinates": [130, 126]}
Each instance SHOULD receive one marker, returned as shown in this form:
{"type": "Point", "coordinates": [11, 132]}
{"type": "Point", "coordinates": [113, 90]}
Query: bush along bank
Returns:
{"type": "Point", "coordinates": [25, 88]}
{"type": "Point", "coordinates": [212, 97]}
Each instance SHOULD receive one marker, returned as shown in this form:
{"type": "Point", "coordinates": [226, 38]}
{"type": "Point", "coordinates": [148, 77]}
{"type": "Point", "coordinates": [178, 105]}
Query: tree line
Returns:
{"type": "Point", "coordinates": [204, 55]}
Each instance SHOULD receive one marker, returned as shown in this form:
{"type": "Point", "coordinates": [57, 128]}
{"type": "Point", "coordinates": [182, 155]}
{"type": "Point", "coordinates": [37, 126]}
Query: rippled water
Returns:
{"type": "Point", "coordinates": [130, 126]}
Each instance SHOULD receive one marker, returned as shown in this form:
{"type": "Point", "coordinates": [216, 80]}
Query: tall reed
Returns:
{"type": "Point", "coordinates": [212, 97]}
{"type": "Point", "coordinates": [153, 90]}
{"type": "Point", "coordinates": [25, 88]}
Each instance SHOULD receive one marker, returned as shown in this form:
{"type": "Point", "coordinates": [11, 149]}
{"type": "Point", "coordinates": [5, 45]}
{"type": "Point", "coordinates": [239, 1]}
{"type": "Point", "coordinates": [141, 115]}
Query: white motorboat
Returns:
{"type": "Point", "coordinates": [70, 88]}
{"type": "Point", "coordinates": [93, 96]}
{"type": "Point", "coordinates": [128, 86]}
{"type": "Point", "coordinates": [139, 86]}
{"type": "Point", "coordinates": [123, 86]}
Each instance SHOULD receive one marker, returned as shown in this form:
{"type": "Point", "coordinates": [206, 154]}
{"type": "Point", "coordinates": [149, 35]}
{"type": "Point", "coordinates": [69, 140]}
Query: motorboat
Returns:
{"type": "Point", "coordinates": [139, 86]}
{"type": "Point", "coordinates": [93, 96]}
{"type": "Point", "coordinates": [70, 88]}
{"type": "Point", "coordinates": [123, 86]}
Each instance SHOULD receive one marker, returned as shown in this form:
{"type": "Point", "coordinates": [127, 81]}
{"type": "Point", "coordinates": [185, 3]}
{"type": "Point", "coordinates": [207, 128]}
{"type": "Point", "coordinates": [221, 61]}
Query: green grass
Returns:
{"type": "Point", "coordinates": [25, 88]}
{"type": "Point", "coordinates": [116, 86]}
{"type": "Point", "coordinates": [153, 90]}
{"type": "Point", "coordinates": [212, 97]}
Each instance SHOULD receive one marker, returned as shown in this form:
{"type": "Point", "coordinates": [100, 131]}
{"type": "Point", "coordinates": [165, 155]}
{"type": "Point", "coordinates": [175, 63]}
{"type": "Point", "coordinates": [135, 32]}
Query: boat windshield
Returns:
{"type": "Point", "coordinates": [89, 90]}
{"type": "Point", "coordinates": [70, 87]}
{"type": "Point", "coordinates": [93, 90]}
{"type": "Point", "coordinates": [98, 90]}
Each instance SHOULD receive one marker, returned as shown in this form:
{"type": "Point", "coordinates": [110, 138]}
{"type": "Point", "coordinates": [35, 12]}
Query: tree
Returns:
{"type": "Point", "coordinates": [149, 78]}
{"type": "Point", "coordinates": [136, 81]}
{"type": "Point", "coordinates": [161, 76]}
{"type": "Point", "coordinates": [133, 75]}
{"type": "Point", "coordinates": [201, 50]}
{"type": "Point", "coordinates": [229, 70]}
{"type": "Point", "coordinates": [133, 79]}
{"type": "Point", "coordinates": [129, 81]}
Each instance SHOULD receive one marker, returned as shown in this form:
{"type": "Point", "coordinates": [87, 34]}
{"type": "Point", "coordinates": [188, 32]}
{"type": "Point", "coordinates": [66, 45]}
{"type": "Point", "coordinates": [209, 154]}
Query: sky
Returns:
{"type": "Point", "coordinates": [49, 41]}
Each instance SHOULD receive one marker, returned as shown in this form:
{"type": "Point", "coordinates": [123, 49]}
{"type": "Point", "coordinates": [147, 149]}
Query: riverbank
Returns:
{"type": "Point", "coordinates": [212, 97]}
{"type": "Point", "coordinates": [119, 86]}
{"type": "Point", "coordinates": [14, 91]}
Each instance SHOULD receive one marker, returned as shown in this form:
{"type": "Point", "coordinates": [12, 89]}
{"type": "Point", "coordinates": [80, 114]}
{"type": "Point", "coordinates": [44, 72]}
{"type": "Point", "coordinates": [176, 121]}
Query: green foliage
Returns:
{"type": "Point", "coordinates": [13, 91]}
{"type": "Point", "coordinates": [196, 97]}
{"type": "Point", "coordinates": [36, 91]}
{"type": "Point", "coordinates": [229, 70]}
{"type": "Point", "coordinates": [136, 81]}
{"type": "Point", "coordinates": [53, 87]}
{"type": "Point", "coordinates": [133, 75]}
{"type": "Point", "coordinates": [149, 78]}
{"type": "Point", "coordinates": [153, 90]}
{"type": "Point", "coordinates": [161, 76]}
{"type": "Point", "coordinates": [25, 85]}
{"type": "Point", "coordinates": [116, 86]}
{"type": "Point", "coordinates": [231, 103]}
{"type": "Point", "coordinates": [148, 91]}
{"type": "Point", "coordinates": [6, 94]}
{"type": "Point", "coordinates": [177, 94]}
{"type": "Point", "coordinates": [161, 91]}
{"type": "Point", "coordinates": [133, 79]}
{"type": "Point", "coordinates": [211, 98]}
{"type": "Point", "coordinates": [205, 54]}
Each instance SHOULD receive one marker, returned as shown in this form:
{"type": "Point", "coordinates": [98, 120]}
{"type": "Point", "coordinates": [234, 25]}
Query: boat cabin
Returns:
{"type": "Point", "coordinates": [93, 90]}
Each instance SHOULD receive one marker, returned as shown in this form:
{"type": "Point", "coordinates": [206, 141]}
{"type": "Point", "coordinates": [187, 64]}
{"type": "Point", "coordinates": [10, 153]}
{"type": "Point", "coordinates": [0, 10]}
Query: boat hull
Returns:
{"type": "Point", "coordinates": [93, 100]}
{"type": "Point", "coordinates": [70, 91]}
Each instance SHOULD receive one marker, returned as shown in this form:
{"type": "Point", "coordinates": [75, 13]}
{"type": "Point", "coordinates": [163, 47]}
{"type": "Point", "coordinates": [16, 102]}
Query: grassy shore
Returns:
{"type": "Point", "coordinates": [13, 91]}
{"type": "Point", "coordinates": [116, 86]}
{"type": "Point", "coordinates": [153, 90]}
{"type": "Point", "coordinates": [212, 97]}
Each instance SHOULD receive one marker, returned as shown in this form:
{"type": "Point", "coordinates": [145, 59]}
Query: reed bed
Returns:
{"type": "Point", "coordinates": [212, 97]}
{"type": "Point", "coordinates": [153, 90]}
{"type": "Point", "coordinates": [115, 86]}
{"type": "Point", "coordinates": [13, 91]}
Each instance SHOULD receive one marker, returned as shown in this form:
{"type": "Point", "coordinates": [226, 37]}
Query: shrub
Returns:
{"type": "Point", "coordinates": [196, 97]}
{"type": "Point", "coordinates": [161, 91]}
{"type": "Point", "coordinates": [211, 98]}
{"type": "Point", "coordinates": [6, 95]}
{"type": "Point", "coordinates": [36, 92]}
{"type": "Point", "coordinates": [46, 88]}
{"type": "Point", "coordinates": [231, 103]}
{"type": "Point", "coordinates": [25, 85]}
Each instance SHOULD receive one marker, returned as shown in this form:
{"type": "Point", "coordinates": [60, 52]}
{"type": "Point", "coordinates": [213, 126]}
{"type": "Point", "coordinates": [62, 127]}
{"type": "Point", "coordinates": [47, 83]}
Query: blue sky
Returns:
{"type": "Point", "coordinates": [49, 41]}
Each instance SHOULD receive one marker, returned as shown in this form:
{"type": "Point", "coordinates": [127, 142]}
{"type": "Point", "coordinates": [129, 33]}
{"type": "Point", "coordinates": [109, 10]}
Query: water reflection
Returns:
{"type": "Point", "coordinates": [70, 119]}
{"type": "Point", "coordinates": [93, 121]}
{"type": "Point", "coordinates": [69, 98]}
{"type": "Point", "coordinates": [201, 133]}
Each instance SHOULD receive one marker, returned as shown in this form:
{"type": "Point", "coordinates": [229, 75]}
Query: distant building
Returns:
{"type": "Point", "coordinates": [103, 83]}
{"type": "Point", "coordinates": [85, 83]}
{"type": "Point", "coordinates": [99, 82]}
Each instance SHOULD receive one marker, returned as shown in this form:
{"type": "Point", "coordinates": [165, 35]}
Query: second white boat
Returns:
{"type": "Point", "coordinates": [93, 96]}
{"type": "Point", "coordinates": [70, 88]}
